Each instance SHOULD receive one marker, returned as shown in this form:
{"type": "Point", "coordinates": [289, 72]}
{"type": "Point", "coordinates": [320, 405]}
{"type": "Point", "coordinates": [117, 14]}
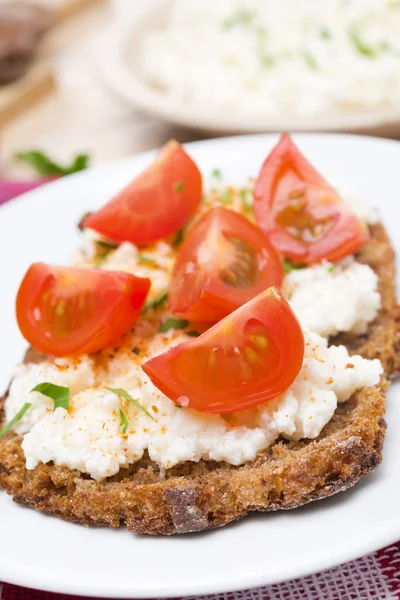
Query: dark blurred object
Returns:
{"type": "Point", "coordinates": [22, 25]}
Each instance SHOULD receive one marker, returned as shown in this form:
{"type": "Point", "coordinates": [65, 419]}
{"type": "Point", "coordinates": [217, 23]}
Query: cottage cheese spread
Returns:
{"type": "Point", "coordinates": [88, 436]}
{"type": "Point", "coordinates": [270, 57]}
{"type": "Point", "coordinates": [329, 298]}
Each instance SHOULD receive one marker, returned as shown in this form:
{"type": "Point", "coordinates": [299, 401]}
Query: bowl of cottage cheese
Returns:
{"type": "Point", "coordinates": [260, 65]}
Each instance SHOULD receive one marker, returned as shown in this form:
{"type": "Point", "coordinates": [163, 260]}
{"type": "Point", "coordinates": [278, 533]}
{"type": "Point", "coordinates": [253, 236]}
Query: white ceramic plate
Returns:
{"type": "Point", "coordinates": [42, 552]}
{"type": "Point", "coordinates": [114, 62]}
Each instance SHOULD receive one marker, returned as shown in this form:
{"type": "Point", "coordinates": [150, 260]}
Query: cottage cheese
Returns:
{"type": "Point", "coordinates": [297, 57]}
{"type": "Point", "coordinates": [88, 436]}
{"type": "Point", "coordinates": [329, 298]}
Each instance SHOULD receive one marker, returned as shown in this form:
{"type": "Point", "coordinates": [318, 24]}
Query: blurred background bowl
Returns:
{"type": "Point", "coordinates": [116, 66]}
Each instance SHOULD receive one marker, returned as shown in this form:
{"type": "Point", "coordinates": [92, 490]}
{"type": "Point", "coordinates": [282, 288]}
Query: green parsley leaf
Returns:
{"type": "Point", "coordinates": [172, 323]}
{"type": "Point", "coordinates": [216, 174]}
{"type": "Point", "coordinates": [59, 394]}
{"type": "Point", "coordinates": [179, 186]}
{"type": "Point", "coordinates": [123, 423]}
{"type": "Point", "coordinates": [193, 333]}
{"type": "Point", "coordinates": [179, 237]}
{"type": "Point", "coordinates": [46, 167]}
{"type": "Point", "coordinates": [178, 406]}
{"type": "Point", "coordinates": [310, 60]}
{"type": "Point", "coordinates": [332, 268]}
{"type": "Point", "coordinates": [146, 259]}
{"type": "Point", "coordinates": [226, 196]}
{"type": "Point", "coordinates": [124, 394]}
{"type": "Point", "coordinates": [288, 266]}
{"type": "Point", "coordinates": [15, 420]}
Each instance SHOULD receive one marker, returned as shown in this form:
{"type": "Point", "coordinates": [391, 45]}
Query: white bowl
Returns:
{"type": "Point", "coordinates": [115, 65]}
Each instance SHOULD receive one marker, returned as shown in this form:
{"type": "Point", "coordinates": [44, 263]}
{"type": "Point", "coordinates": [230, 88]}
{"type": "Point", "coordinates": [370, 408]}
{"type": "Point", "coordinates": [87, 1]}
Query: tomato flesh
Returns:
{"type": "Point", "coordinates": [224, 262]}
{"type": "Point", "coordinates": [156, 204]}
{"type": "Point", "coordinates": [248, 358]}
{"type": "Point", "coordinates": [65, 310]}
{"type": "Point", "coordinates": [300, 213]}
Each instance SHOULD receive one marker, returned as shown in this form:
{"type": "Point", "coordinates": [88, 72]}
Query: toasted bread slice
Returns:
{"type": "Point", "coordinates": [206, 495]}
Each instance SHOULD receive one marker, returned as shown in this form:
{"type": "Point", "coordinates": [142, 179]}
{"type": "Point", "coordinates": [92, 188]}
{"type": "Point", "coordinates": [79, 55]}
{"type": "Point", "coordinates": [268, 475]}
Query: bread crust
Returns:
{"type": "Point", "coordinates": [205, 495]}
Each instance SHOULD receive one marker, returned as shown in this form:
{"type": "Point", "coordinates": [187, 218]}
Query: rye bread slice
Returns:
{"type": "Point", "coordinates": [205, 495]}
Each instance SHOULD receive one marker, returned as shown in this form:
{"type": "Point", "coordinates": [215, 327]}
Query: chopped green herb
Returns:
{"type": "Point", "coordinates": [15, 420]}
{"type": "Point", "coordinates": [193, 333]}
{"type": "Point", "coordinates": [179, 237]}
{"type": "Point", "coordinates": [46, 167]}
{"type": "Point", "coordinates": [267, 61]}
{"type": "Point", "coordinates": [226, 196]}
{"type": "Point", "coordinates": [332, 268]}
{"type": "Point", "coordinates": [216, 174]}
{"type": "Point", "coordinates": [246, 195]}
{"type": "Point", "coordinates": [146, 259]}
{"type": "Point", "coordinates": [58, 393]}
{"type": "Point", "coordinates": [288, 266]}
{"type": "Point", "coordinates": [310, 60]}
{"type": "Point", "coordinates": [240, 18]}
{"type": "Point", "coordinates": [158, 302]}
{"type": "Point", "coordinates": [178, 405]}
{"type": "Point", "coordinates": [172, 323]}
{"type": "Point", "coordinates": [103, 249]}
{"type": "Point", "coordinates": [123, 423]}
{"type": "Point", "coordinates": [179, 186]}
{"type": "Point", "coordinates": [124, 394]}
{"type": "Point", "coordinates": [361, 46]}
{"type": "Point", "coordinates": [325, 34]}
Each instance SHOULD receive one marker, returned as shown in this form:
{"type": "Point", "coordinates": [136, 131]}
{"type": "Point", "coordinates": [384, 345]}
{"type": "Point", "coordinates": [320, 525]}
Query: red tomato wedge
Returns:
{"type": "Point", "coordinates": [65, 310]}
{"type": "Point", "coordinates": [251, 356]}
{"type": "Point", "coordinates": [224, 262]}
{"type": "Point", "coordinates": [156, 204]}
{"type": "Point", "coordinates": [300, 213]}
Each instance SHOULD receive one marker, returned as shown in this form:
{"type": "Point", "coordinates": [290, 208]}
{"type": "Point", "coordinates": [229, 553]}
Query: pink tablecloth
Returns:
{"type": "Point", "coordinates": [374, 577]}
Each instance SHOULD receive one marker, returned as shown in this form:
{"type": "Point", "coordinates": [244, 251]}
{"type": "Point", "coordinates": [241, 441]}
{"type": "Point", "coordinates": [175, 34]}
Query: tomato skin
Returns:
{"type": "Point", "coordinates": [223, 262]}
{"type": "Point", "coordinates": [248, 358]}
{"type": "Point", "coordinates": [291, 194]}
{"type": "Point", "coordinates": [156, 204]}
{"type": "Point", "coordinates": [65, 310]}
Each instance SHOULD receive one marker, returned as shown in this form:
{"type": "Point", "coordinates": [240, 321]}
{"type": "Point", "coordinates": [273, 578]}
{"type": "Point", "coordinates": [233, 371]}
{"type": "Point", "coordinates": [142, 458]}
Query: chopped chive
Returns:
{"type": "Point", "coordinates": [193, 333]}
{"type": "Point", "coordinates": [179, 237]}
{"type": "Point", "coordinates": [325, 34]}
{"type": "Point", "coordinates": [123, 423]}
{"type": "Point", "coordinates": [172, 323]}
{"type": "Point", "coordinates": [288, 266]}
{"type": "Point", "coordinates": [310, 60]}
{"type": "Point", "coordinates": [15, 420]}
{"type": "Point", "coordinates": [124, 394]}
{"type": "Point", "coordinates": [146, 259]}
{"type": "Point", "coordinates": [216, 174]}
{"type": "Point", "coordinates": [226, 196]}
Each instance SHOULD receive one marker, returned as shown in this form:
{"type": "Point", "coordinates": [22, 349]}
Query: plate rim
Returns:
{"type": "Point", "coordinates": [370, 543]}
